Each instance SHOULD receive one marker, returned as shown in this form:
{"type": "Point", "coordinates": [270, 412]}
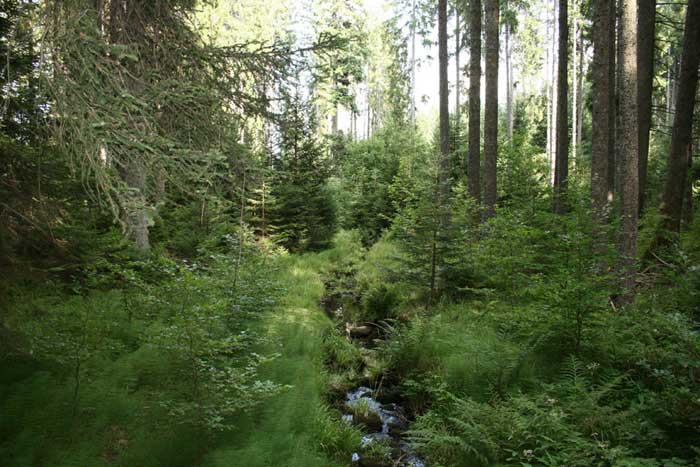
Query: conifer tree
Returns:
{"type": "Point", "coordinates": [302, 212]}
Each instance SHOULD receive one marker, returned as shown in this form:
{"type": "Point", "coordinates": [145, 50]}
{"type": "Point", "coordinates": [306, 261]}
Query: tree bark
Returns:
{"type": "Point", "coordinates": [134, 202]}
{"type": "Point", "coordinates": [458, 80]}
{"type": "Point", "coordinates": [645, 60]}
{"type": "Point", "coordinates": [612, 155]}
{"type": "Point", "coordinates": [576, 102]}
{"type": "Point", "coordinates": [549, 90]}
{"type": "Point", "coordinates": [127, 26]}
{"type": "Point", "coordinates": [491, 108]}
{"type": "Point", "coordinates": [628, 147]}
{"type": "Point", "coordinates": [579, 115]}
{"type": "Point", "coordinates": [688, 194]}
{"type": "Point", "coordinates": [670, 87]}
{"type": "Point", "coordinates": [561, 168]}
{"type": "Point", "coordinates": [444, 169]}
{"type": "Point", "coordinates": [474, 158]}
{"type": "Point", "coordinates": [334, 119]}
{"type": "Point", "coordinates": [509, 81]}
{"type": "Point", "coordinates": [413, 65]}
{"type": "Point", "coordinates": [672, 201]}
{"type": "Point", "coordinates": [553, 86]}
{"type": "Point", "coordinates": [603, 96]}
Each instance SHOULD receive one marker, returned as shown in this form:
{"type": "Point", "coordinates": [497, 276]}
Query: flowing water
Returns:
{"type": "Point", "coordinates": [393, 424]}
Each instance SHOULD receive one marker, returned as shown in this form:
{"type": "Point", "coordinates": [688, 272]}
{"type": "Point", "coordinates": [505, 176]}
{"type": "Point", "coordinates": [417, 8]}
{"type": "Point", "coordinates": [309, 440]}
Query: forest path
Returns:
{"type": "Point", "coordinates": [286, 430]}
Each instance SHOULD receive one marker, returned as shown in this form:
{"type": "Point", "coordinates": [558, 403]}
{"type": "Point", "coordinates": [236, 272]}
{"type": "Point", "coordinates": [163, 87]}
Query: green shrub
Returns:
{"type": "Point", "coordinates": [380, 302]}
{"type": "Point", "coordinates": [465, 352]}
{"type": "Point", "coordinates": [577, 420]}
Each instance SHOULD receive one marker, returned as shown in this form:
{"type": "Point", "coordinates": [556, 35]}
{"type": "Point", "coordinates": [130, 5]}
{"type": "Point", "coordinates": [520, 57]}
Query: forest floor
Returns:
{"type": "Point", "coordinates": [287, 430]}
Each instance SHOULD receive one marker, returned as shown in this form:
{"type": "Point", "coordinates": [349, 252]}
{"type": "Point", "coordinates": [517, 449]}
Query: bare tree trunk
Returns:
{"type": "Point", "coordinates": [444, 169]}
{"type": "Point", "coordinates": [554, 95]}
{"type": "Point", "coordinates": [509, 82]}
{"type": "Point", "coordinates": [353, 125]}
{"type": "Point", "coordinates": [687, 217]}
{"type": "Point", "coordinates": [135, 216]}
{"type": "Point", "coordinates": [628, 149]}
{"type": "Point", "coordinates": [576, 103]}
{"type": "Point", "coordinates": [670, 87]}
{"type": "Point", "coordinates": [672, 201]}
{"type": "Point", "coordinates": [413, 65]}
{"type": "Point", "coordinates": [474, 162]}
{"type": "Point", "coordinates": [334, 120]}
{"type": "Point", "coordinates": [581, 70]}
{"type": "Point", "coordinates": [458, 77]}
{"type": "Point", "coordinates": [603, 95]}
{"type": "Point", "coordinates": [612, 155]}
{"type": "Point", "coordinates": [561, 169]}
{"type": "Point", "coordinates": [369, 111]}
{"type": "Point", "coordinates": [548, 91]}
{"type": "Point", "coordinates": [491, 107]}
{"type": "Point", "coordinates": [160, 185]}
{"type": "Point", "coordinates": [603, 112]}
{"type": "Point", "coordinates": [645, 83]}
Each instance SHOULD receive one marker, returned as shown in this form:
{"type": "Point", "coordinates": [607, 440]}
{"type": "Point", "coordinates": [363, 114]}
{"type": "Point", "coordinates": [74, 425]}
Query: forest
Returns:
{"type": "Point", "coordinates": [338, 233]}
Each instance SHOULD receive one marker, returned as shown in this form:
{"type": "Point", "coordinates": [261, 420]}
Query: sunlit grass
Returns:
{"type": "Point", "coordinates": [295, 428]}
{"type": "Point", "coordinates": [120, 418]}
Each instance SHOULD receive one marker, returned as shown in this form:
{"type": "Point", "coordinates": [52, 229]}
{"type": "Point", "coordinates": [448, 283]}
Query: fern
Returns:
{"type": "Point", "coordinates": [573, 373]}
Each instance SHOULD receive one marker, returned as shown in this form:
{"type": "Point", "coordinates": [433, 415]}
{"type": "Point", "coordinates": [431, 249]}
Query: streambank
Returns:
{"type": "Point", "coordinates": [370, 400]}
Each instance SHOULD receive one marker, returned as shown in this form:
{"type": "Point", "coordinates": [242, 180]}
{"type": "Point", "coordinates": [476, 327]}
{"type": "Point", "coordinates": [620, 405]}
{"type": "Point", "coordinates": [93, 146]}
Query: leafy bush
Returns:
{"type": "Point", "coordinates": [380, 302]}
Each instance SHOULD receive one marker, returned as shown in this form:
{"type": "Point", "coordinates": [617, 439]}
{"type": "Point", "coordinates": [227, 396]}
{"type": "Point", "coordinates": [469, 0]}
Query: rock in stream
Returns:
{"type": "Point", "coordinates": [385, 422]}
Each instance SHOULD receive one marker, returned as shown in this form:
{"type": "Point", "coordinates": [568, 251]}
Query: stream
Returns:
{"type": "Point", "coordinates": [384, 422]}
{"type": "Point", "coordinates": [393, 424]}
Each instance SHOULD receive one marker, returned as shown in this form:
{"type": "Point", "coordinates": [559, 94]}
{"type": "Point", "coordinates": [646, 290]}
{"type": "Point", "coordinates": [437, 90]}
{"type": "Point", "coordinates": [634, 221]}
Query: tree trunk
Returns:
{"type": "Point", "coordinates": [672, 201]}
{"type": "Point", "coordinates": [645, 83]}
{"type": "Point", "coordinates": [353, 125]}
{"type": "Point", "coordinates": [628, 146]}
{"type": "Point", "coordinates": [509, 82]}
{"type": "Point", "coordinates": [548, 90]}
{"type": "Point", "coordinates": [579, 115]}
{"type": "Point", "coordinates": [127, 27]}
{"type": "Point", "coordinates": [576, 102]}
{"type": "Point", "coordinates": [552, 79]}
{"type": "Point", "coordinates": [334, 119]}
{"type": "Point", "coordinates": [491, 108]}
{"type": "Point", "coordinates": [369, 111]}
{"type": "Point", "coordinates": [603, 96]}
{"type": "Point", "coordinates": [612, 69]}
{"type": "Point", "coordinates": [160, 185]}
{"type": "Point", "coordinates": [444, 169]}
{"type": "Point", "coordinates": [688, 195]}
{"type": "Point", "coordinates": [458, 77]}
{"type": "Point", "coordinates": [134, 201]}
{"type": "Point", "coordinates": [670, 87]}
{"type": "Point", "coordinates": [413, 65]}
{"type": "Point", "coordinates": [561, 168]}
{"type": "Point", "coordinates": [474, 162]}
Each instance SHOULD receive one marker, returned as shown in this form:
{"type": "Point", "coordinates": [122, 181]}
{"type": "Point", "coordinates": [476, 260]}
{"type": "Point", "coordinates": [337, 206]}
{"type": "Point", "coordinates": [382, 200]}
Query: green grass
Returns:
{"type": "Point", "coordinates": [120, 421]}
{"type": "Point", "coordinates": [290, 429]}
